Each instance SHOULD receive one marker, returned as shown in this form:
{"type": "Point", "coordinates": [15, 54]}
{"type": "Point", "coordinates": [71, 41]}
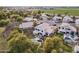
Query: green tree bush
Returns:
{"type": "Point", "coordinates": [2, 15]}
{"type": "Point", "coordinates": [4, 22]}
{"type": "Point", "coordinates": [19, 43]}
{"type": "Point", "coordinates": [19, 19]}
{"type": "Point", "coordinates": [56, 44]}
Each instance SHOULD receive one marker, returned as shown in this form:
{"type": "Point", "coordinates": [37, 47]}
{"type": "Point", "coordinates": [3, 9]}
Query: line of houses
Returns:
{"type": "Point", "coordinates": [46, 26]}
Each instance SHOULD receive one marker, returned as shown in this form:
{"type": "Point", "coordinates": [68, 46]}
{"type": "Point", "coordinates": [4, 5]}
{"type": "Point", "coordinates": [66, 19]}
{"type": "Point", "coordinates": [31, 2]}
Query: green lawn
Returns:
{"type": "Point", "coordinates": [71, 11]}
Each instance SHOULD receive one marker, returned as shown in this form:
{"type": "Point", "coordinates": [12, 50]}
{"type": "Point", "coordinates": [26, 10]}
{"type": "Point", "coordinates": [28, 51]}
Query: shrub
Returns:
{"type": "Point", "coordinates": [56, 44]}
{"type": "Point", "coordinates": [4, 23]}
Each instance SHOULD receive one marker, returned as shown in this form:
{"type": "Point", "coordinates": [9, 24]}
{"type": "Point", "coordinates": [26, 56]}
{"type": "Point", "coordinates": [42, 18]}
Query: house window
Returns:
{"type": "Point", "coordinates": [68, 32]}
{"type": "Point", "coordinates": [64, 32]}
{"type": "Point", "coordinates": [62, 28]}
{"type": "Point", "coordinates": [38, 29]}
{"type": "Point", "coordinates": [68, 29]}
{"type": "Point", "coordinates": [72, 33]}
{"type": "Point", "coordinates": [67, 38]}
{"type": "Point", "coordinates": [35, 29]}
{"type": "Point", "coordinates": [41, 31]}
{"type": "Point", "coordinates": [77, 33]}
{"type": "Point", "coordinates": [59, 27]}
{"type": "Point", "coordinates": [46, 34]}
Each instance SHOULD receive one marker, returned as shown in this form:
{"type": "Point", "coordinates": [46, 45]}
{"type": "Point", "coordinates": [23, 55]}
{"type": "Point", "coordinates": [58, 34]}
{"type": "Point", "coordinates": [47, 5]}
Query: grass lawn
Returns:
{"type": "Point", "coordinates": [71, 11]}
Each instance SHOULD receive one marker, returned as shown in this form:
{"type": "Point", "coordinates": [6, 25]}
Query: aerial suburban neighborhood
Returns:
{"type": "Point", "coordinates": [39, 29]}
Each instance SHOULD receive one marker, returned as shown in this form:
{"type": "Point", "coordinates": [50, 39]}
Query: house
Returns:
{"type": "Point", "coordinates": [40, 21]}
{"type": "Point", "coordinates": [44, 16]}
{"type": "Point", "coordinates": [51, 22]}
{"type": "Point", "coordinates": [77, 23]}
{"type": "Point", "coordinates": [67, 19]}
{"type": "Point", "coordinates": [44, 29]}
{"type": "Point", "coordinates": [28, 19]}
{"type": "Point", "coordinates": [26, 25]}
{"type": "Point", "coordinates": [27, 28]}
{"type": "Point", "coordinates": [28, 22]}
{"type": "Point", "coordinates": [76, 48]}
{"type": "Point", "coordinates": [77, 17]}
{"type": "Point", "coordinates": [45, 19]}
{"type": "Point", "coordinates": [57, 18]}
{"type": "Point", "coordinates": [70, 32]}
{"type": "Point", "coordinates": [62, 28]}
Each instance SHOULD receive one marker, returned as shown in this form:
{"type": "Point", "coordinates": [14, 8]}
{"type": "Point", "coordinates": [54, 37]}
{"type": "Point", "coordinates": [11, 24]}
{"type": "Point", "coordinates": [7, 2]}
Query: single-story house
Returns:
{"type": "Point", "coordinates": [44, 16]}
{"type": "Point", "coordinates": [57, 19]}
{"type": "Point", "coordinates": [28, 22]}
{"type": "Point", "coordinates": [67, 19]}
{"type": "Point", "coordinates": [51, 22]}
{"type": "Point", "coordinates": [44, 29]}
{"type": "Point", "coordinates": [26, 25]}
{"type": "Point", "coordinates": [70, 32]}
{"type": "Point", "coordinates": [41, 21]}
{"type": "Point", "coordinates": [77, 23]}
{"type": "Point", "coordinates": [76, 48]}
{"type": "Point", "coordinates": [26, 19]}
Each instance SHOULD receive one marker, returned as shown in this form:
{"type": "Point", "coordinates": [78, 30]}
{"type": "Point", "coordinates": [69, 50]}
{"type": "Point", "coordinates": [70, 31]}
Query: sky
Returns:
{"type": "Point", "coordinates": [39, 2]}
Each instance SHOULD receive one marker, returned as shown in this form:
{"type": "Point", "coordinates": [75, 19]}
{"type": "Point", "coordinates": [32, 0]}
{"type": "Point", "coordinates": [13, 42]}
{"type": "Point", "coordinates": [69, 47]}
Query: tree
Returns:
{"type": "Point", "coordinates": [4, 22]}
{"type": "Point", "coordinates": [56, 44]}
{"type": "Point", "coordinates": [34, 23]}
{"type": "Point", "coordinates": [34, 47]}
{"type": "Point", "coordinates": [19, 19]}
{"type": "Point", "coordinates": [18, 42]}
{"type": "Point", "coordinates": [2, 15]}
{"type": "Point", "coordinates": [40, 49]}
{"type": "Point", "coordinates": [14, 16]}
{"type": "Point", "coordinates": [39, 11]}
